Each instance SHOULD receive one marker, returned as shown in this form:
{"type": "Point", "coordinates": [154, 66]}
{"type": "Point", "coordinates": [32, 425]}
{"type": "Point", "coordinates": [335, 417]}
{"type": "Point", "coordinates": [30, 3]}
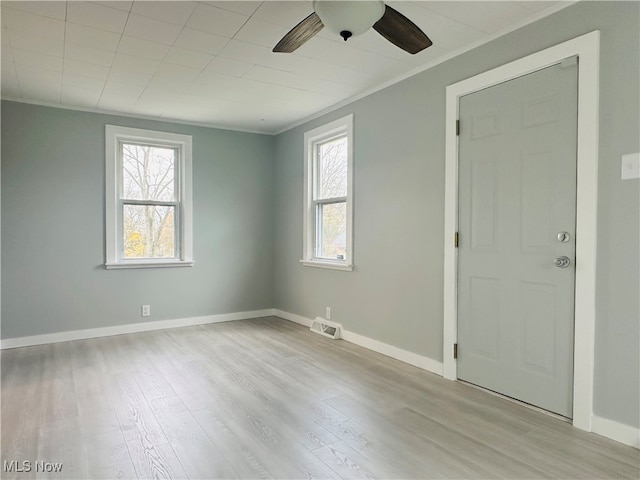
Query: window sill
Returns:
{"type": "Point", "coordinates": [327, 264]}
{"type": "Point", "coordinates": [148, 264]}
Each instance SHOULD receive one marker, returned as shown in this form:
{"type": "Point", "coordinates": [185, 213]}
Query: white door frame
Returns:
{"type": "Point", "coordinates": [587, 48]}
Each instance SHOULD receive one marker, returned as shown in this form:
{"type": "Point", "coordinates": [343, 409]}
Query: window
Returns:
{"type": "Point", "coordinates": [328, 195]}
{"type": "Point", "coordinates": [148, 199]}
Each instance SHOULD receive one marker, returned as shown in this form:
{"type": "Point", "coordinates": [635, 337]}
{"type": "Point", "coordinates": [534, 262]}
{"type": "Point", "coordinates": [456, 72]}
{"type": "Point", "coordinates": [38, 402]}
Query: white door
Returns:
{"type": "Point", "coordinates": [516, 257]}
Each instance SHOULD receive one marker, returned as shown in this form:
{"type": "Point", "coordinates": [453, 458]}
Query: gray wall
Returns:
{"type": "Point", "coordinates": [53, 277]}
{"type": "Point", "coordinates": [394, 295]}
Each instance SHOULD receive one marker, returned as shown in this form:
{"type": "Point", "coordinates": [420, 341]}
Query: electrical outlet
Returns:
{"type": "Point", "coordinates": [630, 166]}
{"type": "Point", "coordinates": [146, 310]}
{"type": "Point", "coordinates": [327, 313]}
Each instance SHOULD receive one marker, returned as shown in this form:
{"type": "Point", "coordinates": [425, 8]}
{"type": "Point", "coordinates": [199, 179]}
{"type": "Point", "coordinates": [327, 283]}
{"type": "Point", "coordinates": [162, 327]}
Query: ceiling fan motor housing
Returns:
{"type": "Point", "coordinates": [346, 34]}
{"type": "Point", "coordinates": [349, 18]}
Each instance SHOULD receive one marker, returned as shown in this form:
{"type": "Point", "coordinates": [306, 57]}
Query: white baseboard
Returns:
{"type": "Point", "coordinates": [411, 358]}
{"type": "Point", "coordinates": [67, 336]}
{"type": "Point", "coordinates": [292, 317]}
{"type": "Point", "coordinates": [616, 431]}
{"type": "Point", "coordinates": [602, 426]}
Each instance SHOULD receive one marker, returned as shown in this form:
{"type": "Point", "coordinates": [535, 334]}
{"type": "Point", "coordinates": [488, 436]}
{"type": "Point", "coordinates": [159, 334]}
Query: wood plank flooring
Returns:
{"type": "Point", "coordinates": [266, 398]}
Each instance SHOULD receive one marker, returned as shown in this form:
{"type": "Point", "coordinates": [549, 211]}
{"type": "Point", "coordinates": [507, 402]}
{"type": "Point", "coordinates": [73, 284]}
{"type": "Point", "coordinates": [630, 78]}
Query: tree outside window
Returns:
{"type": "Point", "coordinates": [148, 201]}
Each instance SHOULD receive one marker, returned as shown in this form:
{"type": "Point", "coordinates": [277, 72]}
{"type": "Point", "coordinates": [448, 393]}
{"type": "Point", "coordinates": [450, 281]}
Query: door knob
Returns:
{"type": "Point", "coordinates": [562, 262]}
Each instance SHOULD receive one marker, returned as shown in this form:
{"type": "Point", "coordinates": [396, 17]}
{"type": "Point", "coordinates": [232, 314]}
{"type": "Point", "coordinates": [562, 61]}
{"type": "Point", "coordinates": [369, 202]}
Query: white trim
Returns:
{"type": "Point", "coordinates": [67, 336]}
{"type": "Point", "coordinates": [113, 135]}
{"type": "Point", "coordinates": [392, 351]}
{"type": "Point", "coordinates": [411, 358]}
{"type": "Point", "coordinates": [587, 48]}
{"type": "Point", "coordinates": [159, 263]}
{"type": "Point", "coordinates": [330, 265]}
{"type": "Point", "coordinates": [138, 116]}
{"type": "Point", "coordinates": [339, 127]}
{"type": "Point", "coordinates": [616, 431]}
{"type": "Point", "coordinates": [292, 317]}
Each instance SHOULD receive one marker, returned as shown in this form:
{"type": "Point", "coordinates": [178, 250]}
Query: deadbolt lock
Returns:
{"type": "Point", "coordinates": [564, 237]}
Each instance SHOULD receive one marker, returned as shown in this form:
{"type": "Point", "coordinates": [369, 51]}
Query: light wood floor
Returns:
{"type": "Point", "coordinates": [266, 398]}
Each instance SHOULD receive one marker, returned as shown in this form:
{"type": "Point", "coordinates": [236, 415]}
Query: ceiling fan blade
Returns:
{"type": "Point", "coordinates": [299, 34]}
{"type": "Point", "coordinates": [401, 31]}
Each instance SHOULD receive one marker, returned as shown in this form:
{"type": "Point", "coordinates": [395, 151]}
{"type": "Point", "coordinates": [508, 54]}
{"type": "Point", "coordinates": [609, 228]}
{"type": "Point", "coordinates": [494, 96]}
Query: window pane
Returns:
{"type": "Point", "coordinates": [148, 172]}
{"type": "Point", "coordinates": [332, 169]}
{"type": "Point", "coordinates": [149, 231]}
{"type": "Point", "coordinates": [332, 231]}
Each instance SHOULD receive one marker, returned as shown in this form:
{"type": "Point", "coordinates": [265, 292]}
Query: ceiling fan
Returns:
{"type": "Point", "coordinates": [351, 18]}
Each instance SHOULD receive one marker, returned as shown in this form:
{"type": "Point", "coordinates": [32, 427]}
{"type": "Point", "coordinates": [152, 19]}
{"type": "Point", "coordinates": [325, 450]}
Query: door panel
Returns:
{"type": "Point", "coordinates": [484, 315]}
{"type": "Point", "coordinates": [483, 204]}
{"type": "Point", "coordinates": [517, 187]}
{"type": "Point", "coordinates": [538, 316]}
{"type": "Point", "coordinates": [537, 209]}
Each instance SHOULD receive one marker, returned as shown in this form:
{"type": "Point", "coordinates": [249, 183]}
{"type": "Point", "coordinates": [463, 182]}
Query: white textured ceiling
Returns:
{"type": "Point", "coordinates": [211, 62]}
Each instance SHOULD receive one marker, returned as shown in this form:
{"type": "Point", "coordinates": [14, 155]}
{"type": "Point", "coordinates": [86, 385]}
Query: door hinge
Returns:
{"type": "Point", "coordinates": [457, 127]}
{"type": "Point", "coordinates": [456, 239]}
{"type": "Point", "coordinates": [455, 350]}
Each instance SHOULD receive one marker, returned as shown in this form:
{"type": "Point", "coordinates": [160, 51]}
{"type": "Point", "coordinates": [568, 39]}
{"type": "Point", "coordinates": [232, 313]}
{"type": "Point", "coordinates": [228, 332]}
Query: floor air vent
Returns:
{"type": "Point", "coordinates": [326, 328]}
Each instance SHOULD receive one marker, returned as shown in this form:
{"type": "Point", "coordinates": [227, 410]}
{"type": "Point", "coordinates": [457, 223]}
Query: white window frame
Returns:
{"type": "Point", "coordinates": [340, 127]}
{"type": "Point", "coordinates": [114, 135]}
